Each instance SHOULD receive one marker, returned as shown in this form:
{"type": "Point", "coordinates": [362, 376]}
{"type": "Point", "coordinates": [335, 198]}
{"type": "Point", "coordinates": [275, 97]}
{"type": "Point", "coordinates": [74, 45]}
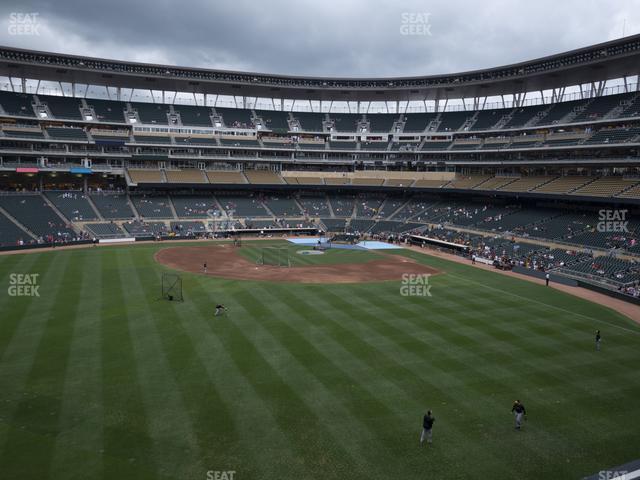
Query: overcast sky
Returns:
{"type": "Point", "coordinates": [324, 38]}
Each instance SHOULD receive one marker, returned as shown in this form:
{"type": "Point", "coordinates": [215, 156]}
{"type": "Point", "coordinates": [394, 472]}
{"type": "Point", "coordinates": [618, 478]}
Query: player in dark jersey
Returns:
{"type": "Point", "coordinates": [427, 428]}
{"type": "Point", "coordinates": [520, 412]}
{"type": "Point", "coordinates": [598, 340]}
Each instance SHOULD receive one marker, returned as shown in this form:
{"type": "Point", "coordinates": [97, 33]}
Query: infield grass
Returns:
{"type": "Point", "coordinates": [253, 253]}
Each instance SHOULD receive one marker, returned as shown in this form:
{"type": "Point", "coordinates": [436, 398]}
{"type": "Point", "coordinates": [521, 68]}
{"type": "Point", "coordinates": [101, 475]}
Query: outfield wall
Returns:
{"type": "Point", "coordinates": [553, 277]}
{"type": "Point", "coordinates": [610, 293]}
{"type": "Point", "coordinates": [35, 246]}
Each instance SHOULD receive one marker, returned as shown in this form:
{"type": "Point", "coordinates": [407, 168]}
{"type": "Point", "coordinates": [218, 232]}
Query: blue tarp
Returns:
{"type": "Point", "coordinates": [81, 170]}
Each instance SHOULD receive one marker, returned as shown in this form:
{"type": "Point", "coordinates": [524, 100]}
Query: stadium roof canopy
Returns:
{"type": "Point", "coordinates": [593, 64]}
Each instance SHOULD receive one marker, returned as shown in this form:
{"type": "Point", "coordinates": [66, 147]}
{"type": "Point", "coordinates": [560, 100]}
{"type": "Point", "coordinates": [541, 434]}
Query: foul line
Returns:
{"type": "Point", "coordinates": [546, 304]}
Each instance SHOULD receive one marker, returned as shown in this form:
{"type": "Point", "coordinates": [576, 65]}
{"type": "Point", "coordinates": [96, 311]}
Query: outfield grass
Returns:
{"type": "Point", "coordinates": [100, 379]}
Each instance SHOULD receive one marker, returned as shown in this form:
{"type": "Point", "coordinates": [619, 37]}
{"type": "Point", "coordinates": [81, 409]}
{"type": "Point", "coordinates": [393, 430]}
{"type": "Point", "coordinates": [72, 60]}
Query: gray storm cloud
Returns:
{"type": "Point", "coordinates": [329, 38]}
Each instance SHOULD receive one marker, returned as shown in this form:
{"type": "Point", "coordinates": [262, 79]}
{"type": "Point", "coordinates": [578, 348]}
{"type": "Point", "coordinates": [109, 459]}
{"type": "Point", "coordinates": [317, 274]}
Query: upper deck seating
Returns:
{"type": "Point", "coordinates": [453, 121]}
{"type": "Point", "coordinates": [151, 113]}
{"type": "Point", "coordinates": [195, 116]}
{"type": "Point", "coordinates": [310, 122]}
{"type": "Point", "coordinates": [381, 122]}
{"type": "Point", "coordinates": [417, 122]}
{"type": "Point", "coordinates": [599, 108]}
{"type": "Point", "coordinates": [563, 184]}
{"type": "Point", "coordinates": [274, 120]}
{"type": "Point", "coordinates": [487, 119]}
{"type": "Point", "coordinates": [523, 115]}
{"type": "Point", "coordinates": [107, 110]}
{"type": "Point", "coordinates": [62, 107]}
{"type": "Point", "coordinates": [17, 104]}
{"type": "Point", "coordinates": [345, 122]}
{"type": "Point", "coordinates": [190, 175]}
{"type": "Point", "coordinates": [146, 176]}
{"type": "Point", "coordinates": [235, 117]}
{"type": "Point", "coordinates": [228, 176]}
{"type": "Point", "coordinates": [265, 177]}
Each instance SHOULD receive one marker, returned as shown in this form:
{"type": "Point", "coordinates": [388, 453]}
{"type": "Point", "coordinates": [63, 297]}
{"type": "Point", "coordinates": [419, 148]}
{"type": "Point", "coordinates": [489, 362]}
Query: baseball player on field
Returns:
{"type": "Point", "coordinates": [520, 412]}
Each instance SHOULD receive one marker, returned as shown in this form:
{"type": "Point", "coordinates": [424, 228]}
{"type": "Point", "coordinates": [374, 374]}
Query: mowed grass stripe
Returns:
{"type": "Point", "coordinates": [128, 445]}
{"type": "Point", "coordinates": [315, 449]}
{"type": "Point", "coordinates": [262, 449]}
{"type": "Point", "coordinates": [554, 336]}
{"type": "Point", "coordinates": [19, 353]}
{"type": "Point", "coordinates": [469, 375]}
{"type": "Point", "coordinates": [558, 298]}
{"type": "Point", "coordinates": [409, 337]}
{"type": "Point", "coordinates": [527, 292]}
{"type": "Point", "coordinates": [490, 387]}
{"type": "Point", "coordinates": [416, 388]}
{"type": "Point", "coordinates": [37, 414]}
{"type": "Point", "coordinates": [80, 444]}
{"type": "Point", "coordinates": [560, 379]}
{"type": "Point", "coordinates": [349, 409]}
{"type": "Point", "coordinates": [211, 420]}
{"type": "Point", "coordinates": [388, 325]}
{"type": "Point", "coordinates": [482, 328]}
{"type": "Point", "coordinates": [491, 321]}
{"type": "Point", "coordinates": [14, 308]}
{"type": "Point", "coordinates": [174, 442]}
{"type": "Point", "coordinates": [535, 330]}
{"type": "Point", "coordinates": [540, 368]}
{"type": "Point", "coordinates": [533, 350]}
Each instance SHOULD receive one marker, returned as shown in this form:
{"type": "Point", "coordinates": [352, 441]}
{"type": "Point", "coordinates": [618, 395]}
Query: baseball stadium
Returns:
{"type": "Point", "coordinates": [219, 274]}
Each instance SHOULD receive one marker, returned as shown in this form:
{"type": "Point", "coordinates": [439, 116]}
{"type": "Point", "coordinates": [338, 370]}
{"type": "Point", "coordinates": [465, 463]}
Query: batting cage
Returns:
{"type": "Point", "coordinates": [275, 256]}
{"type": "Point", "coordinates": [172, 287]}
{"type": "Point", "coordinates": [344, 238]}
